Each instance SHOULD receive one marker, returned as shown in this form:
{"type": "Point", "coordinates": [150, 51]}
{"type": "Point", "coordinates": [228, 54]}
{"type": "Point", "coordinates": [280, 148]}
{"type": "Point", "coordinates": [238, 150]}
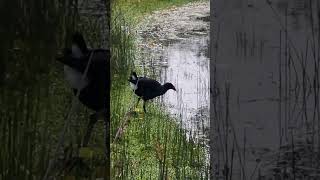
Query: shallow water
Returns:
{"type": "Point", "coordinates": [174, 48]}
{"type": "Point", "coordinates": [187, 67]}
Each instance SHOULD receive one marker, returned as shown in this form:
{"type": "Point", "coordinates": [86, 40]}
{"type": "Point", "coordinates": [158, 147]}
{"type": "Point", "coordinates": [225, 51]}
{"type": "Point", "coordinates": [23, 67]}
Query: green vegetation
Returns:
{"type": "Point", "coordinates": [29, 88]}
{"type": "Point", "coordinates": [35, 99]}
{"type": "Point", "coordinates": [151, 146]}
{"type": "Point", "coordinates": [138, 8]}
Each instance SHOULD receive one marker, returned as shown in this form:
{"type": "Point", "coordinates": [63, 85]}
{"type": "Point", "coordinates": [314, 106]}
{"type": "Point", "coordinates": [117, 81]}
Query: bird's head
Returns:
{"type": "Point", "coordinates": [169, 86]}
{"type": "Point", "coordinates": [133, 78]}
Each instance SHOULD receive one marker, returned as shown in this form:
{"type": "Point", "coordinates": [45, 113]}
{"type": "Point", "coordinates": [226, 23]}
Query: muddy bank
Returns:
{"type": "Point", "coordinates": [177, 23]}
{"type": "Point", "coordinates": [170, 26]}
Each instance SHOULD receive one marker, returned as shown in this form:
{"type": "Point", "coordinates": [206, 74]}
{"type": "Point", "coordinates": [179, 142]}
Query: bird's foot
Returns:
{"type": "Point", "coordinates": [138, 110]}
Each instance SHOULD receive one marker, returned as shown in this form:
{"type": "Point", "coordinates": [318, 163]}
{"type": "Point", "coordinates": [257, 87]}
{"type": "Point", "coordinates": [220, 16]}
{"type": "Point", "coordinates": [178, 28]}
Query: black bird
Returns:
{"type": "Point", "coordinates": [147, 88]}
{"type": "Point", "coordinates": [95, 87]}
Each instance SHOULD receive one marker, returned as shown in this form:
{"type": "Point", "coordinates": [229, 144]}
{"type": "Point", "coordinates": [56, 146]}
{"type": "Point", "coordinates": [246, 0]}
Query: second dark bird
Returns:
{"type": "Point", "coordinates": [95, 87]}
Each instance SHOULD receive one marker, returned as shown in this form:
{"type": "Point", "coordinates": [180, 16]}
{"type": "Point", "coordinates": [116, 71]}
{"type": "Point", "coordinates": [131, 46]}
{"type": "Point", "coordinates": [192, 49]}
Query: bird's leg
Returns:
{"type": "Point", "coordinates": [144, 107]}
{"type": "Point", "coordinates": [92, 122]}
{"type": "Point", "coordinates": [138, 102]}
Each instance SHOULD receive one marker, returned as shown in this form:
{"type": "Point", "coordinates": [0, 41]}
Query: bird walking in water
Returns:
{"type": "Point", "coordinates": [95, 86]}
{"type": "Point", "coordinates": [146, 88]}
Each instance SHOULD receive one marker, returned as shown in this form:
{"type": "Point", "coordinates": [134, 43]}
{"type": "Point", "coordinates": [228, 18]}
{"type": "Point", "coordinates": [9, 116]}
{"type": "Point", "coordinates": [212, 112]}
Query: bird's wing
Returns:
{"type": "Point", "coordinates": [148, 83]}
{"type": "Point", "coordinates": [148, 87]}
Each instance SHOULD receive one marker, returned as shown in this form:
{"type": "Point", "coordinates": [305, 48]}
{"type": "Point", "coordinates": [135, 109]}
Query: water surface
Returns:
{"type": "Point", "coordinates": [187, 67]}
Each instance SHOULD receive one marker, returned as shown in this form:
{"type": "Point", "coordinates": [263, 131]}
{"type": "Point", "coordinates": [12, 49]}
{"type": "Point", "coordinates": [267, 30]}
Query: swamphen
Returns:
{"type": "Point", "coordinates": [95, 87]}
{"type": "Point", "coordinates": [147, 88]}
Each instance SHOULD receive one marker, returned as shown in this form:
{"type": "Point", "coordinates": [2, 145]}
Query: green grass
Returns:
{"type": "Point", "coordinates": [139, 8]}
{"type": "Point", "coordinates": [34, 96]}
{"type": "Point", "coordinates": [34, 99]}
{"type": "Point", "coordinates": [153, 146]}
{"type": "Point", "coordinates": [31, 88]}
